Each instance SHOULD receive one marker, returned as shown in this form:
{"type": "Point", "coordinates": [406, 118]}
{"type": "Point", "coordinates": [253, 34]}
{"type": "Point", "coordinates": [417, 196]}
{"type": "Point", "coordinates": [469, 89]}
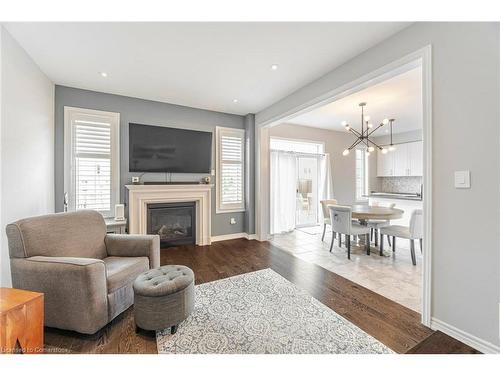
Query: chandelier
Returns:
{"type": "Point", "coordinates": [367, 130]}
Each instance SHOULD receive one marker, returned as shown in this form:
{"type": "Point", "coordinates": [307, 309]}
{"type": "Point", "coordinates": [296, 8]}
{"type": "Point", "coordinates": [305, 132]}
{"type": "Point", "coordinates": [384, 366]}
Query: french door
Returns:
{"type": "Point", "coordinates": [306, 212]}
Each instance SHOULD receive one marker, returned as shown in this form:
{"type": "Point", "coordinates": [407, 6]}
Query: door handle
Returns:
{"type": "Point", "coordinates": [65, 202]}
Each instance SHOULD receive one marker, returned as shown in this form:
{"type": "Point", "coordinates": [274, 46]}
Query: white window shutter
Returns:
{"type": "Point", "coordinates": [230, 169]}
{"type": "Point", "coordinates": [92, 160]}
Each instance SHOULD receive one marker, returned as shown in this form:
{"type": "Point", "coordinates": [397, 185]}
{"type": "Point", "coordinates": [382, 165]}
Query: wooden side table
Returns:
{"type": "Point", "coordinates": [21, 321]}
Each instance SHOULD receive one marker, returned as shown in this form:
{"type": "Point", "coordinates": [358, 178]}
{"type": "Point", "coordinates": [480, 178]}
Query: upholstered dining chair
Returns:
{"type": "Point", "coordinates": [326, 215]}
{"type": "Point", "coordinates": [414, 232]}
{"type": "Point", "coordinates": [375, 225]}
{"type": "Point", "coordinates": [341, 222]}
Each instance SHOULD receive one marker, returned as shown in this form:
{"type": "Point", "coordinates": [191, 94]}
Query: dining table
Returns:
{"type": "Point", "coordinates": [363, 213]}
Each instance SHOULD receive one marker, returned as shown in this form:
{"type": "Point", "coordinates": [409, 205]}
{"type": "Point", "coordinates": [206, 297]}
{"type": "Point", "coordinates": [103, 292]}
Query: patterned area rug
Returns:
{"type": "Point", "coordinates": [262, 312]}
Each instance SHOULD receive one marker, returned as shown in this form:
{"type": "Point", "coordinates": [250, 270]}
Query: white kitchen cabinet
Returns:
{"type": "Point", "coordinates": [405, 160]}
{"type": "Point", "coordinates": [416, 159]}
{"type": "Point", "coordinates": [385, 163]}
{"type": "Point", "coordinates": [400, 155]}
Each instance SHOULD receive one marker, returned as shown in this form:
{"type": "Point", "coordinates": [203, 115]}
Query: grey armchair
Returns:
{"type": "Point", "coordinates": [85, 274]}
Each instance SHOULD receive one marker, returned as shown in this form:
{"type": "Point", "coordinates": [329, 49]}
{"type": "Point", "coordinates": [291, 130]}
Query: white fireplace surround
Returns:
{"type": "Point", "coordinates": [139, 196]}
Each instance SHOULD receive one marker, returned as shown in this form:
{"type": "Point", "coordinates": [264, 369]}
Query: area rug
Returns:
{"type": "Point", "coordinates": [262, 312]}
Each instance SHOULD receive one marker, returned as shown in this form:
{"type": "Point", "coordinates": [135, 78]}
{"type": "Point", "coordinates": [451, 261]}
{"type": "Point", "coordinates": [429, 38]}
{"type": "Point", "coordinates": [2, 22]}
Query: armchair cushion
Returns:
{"type": "Point", "coordinates": [75, 290]}
{"type": "Point", "coordinates": [121, 271]}
{"type": "Point", "coordinates": [134, 245]}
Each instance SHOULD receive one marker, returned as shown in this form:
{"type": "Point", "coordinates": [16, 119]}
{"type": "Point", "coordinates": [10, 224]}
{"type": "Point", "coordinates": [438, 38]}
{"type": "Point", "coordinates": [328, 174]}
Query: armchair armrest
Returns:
{"type": "Point", "coordinates": [75, 289]}
{"type": "Point", "coordinates": [134, 245]}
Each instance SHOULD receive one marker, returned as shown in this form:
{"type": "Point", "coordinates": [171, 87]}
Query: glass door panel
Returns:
{"type": "Point", "coordinates": [307, 191]}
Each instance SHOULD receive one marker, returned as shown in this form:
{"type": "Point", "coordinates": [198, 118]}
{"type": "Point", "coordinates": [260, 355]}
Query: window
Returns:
{"type": "Point", "coordinates": [91, 159]}
{"type": "Point", "coordinates": [306, 147]}
{"type": "Point", "coordinates": [230, 170]}
{"type": "Point", "coordinates": [361, 175]}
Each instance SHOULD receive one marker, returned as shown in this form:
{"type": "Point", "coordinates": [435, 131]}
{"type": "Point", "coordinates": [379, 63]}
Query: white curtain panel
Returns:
{"type": "Point", "coordinates": [325, 181]}
{"type": "Point", "coordinates": [283, 191]}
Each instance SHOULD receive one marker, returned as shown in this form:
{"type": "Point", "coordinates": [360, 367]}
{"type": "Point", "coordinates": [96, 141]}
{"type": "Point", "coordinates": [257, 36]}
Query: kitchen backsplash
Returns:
{"type": "Point", "coordinates": [400, 184]}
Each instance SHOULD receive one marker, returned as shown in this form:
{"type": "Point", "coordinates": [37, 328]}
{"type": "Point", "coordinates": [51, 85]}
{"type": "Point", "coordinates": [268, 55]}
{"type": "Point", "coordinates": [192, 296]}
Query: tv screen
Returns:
{"type": "Point", "coordinates": [162, 149]}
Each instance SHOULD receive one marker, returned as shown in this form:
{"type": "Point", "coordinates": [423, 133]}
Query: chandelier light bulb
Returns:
{"type": "Point", "coordinates": [385, 121]}
{"type": "Point", "coordinates": [346, 152]}
{"type": "Point", "coordinates": [371, 149]}
{"type": "Point", "coordinates": [344, 123]}
{"type": "Point", "coordinates": [384, 151]}
{"type": "Point", "coordinates": [347, 127]}
{"type": "Point", "coordinates": [367, 118]}
{"type": "Point", "coordinates": [370, 125]}
{"type": "Point", "coordinates": [392, 148]}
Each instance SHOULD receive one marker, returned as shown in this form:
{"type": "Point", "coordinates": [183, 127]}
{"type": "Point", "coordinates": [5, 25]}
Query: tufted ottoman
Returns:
{"type": "Point", "coordinates": [163, 297]}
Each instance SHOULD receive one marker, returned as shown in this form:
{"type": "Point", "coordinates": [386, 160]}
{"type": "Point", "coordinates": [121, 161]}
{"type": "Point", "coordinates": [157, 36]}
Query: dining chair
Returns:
{"type": "Point", "coordinates": [375, 225]}
{"type": "Point", "coordinates": [326, 215]}
{"type": "Point", "coordinates": [341, 222]}
{"type": "Point", "coordinates": [414, 232]}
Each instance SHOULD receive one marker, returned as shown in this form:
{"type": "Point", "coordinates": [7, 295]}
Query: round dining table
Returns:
{"type": "Point", "coordinates": [363, 213]}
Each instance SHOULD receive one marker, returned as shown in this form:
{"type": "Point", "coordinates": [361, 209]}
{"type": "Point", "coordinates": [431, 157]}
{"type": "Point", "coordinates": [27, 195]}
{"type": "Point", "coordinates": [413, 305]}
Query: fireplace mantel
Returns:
{"type": "Point", "coordinates": [139, 196]}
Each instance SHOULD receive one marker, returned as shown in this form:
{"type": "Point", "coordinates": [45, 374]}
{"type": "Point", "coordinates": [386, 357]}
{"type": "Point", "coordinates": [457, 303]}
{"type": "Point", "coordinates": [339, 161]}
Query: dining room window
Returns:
{"type": "Point", "coordinates": [361, 175]}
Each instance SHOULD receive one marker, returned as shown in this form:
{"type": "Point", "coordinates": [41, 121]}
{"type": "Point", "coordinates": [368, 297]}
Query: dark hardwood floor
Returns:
{"type": "Point", "coordinates": [394, 325]}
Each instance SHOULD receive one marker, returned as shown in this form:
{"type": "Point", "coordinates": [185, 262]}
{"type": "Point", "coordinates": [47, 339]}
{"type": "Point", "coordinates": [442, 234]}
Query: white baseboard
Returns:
{"type": "Point", "coordinates": [466, 338]}
{"type": "Point", "coordinates": [233, 236]}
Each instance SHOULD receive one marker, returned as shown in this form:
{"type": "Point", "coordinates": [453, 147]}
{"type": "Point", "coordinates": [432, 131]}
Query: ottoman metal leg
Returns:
{"type": "Point", "coordinates": [173, 329]}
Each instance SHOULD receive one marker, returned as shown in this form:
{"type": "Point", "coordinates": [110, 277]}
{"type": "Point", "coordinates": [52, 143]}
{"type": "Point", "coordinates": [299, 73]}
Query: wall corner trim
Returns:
{"type": "Point", "coordinates": [233, 236]}
{"type": "Point", "coordinates": [467, 338]}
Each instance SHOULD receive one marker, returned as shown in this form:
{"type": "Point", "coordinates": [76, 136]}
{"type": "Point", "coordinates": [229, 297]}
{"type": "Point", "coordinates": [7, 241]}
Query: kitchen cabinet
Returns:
{"type": "Point", "coordinates": [405, 160]}
{"type": "Point", "coordinates": [416, 159]}
{"type": "Point", "coordinates": [385, 163]}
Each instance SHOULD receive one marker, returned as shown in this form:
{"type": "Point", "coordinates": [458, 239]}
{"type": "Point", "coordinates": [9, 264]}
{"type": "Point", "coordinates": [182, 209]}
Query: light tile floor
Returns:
{"type": "Point", "coordinates": [392, 275]}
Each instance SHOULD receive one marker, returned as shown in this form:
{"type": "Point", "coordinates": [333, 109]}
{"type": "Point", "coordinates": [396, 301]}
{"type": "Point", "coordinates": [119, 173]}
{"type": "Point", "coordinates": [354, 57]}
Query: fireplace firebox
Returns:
{"type": "Point", "coordinates": [175, 223]}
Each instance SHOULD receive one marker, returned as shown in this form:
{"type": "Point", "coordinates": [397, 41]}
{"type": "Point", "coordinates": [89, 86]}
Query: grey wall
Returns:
{"type": "Point", "coordinates": [151, 113]}
{"type": "Point", "coordinates": [250, 173]}
{"type": "Point", "coordinates": [343, 167]}
{"type": "Point", "coordinates": [27, 141]}
{"type": "Point", "coordinates": [465, 113]}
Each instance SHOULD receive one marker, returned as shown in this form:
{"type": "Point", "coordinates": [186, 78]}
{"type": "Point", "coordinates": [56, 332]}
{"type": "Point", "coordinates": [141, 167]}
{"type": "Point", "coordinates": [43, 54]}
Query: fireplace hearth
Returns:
{"type": "Point", "coordinates": [175, 223]}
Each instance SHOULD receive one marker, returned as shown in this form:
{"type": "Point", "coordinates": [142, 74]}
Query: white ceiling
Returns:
{"type": "Point", "coordinates": [204, 65]}
{"type": "Point", "coordinates": [399, 97]}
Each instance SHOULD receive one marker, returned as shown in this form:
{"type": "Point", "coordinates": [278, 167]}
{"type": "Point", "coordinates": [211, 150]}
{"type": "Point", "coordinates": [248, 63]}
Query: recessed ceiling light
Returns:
{"type": "Point", "coordinates": [103, 74]}
{"type": "Point", "coordinates": [235, 100]}
{"type": "Point", "coordinates": [274, 67]}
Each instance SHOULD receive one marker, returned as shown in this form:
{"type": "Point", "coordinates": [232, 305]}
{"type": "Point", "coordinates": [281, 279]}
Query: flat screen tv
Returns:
{"type": "Point", "coordinates": [162, 149]}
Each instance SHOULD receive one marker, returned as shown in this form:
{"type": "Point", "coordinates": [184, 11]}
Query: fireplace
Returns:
{"type": "Point", "coordinates": [175, 223]}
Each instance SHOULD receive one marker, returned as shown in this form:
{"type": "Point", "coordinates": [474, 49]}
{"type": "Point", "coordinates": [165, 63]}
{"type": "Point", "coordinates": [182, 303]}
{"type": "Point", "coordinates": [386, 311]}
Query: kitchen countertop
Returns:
{"type": "Point", "coordinates": [403, 196]}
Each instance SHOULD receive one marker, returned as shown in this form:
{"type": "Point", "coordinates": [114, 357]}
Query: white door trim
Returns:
{"type": "Point", "coordinates": [420, 57]}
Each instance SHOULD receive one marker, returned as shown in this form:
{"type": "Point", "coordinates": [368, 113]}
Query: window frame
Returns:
{"type": "Point", "coordinates": [221, 208]}
{"type": "Point", "coordinates": [69, 187]}
{"type": "Point", "coordinates": [366, 176]}
{"type": "Point", "coordinates": [299, 140]}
